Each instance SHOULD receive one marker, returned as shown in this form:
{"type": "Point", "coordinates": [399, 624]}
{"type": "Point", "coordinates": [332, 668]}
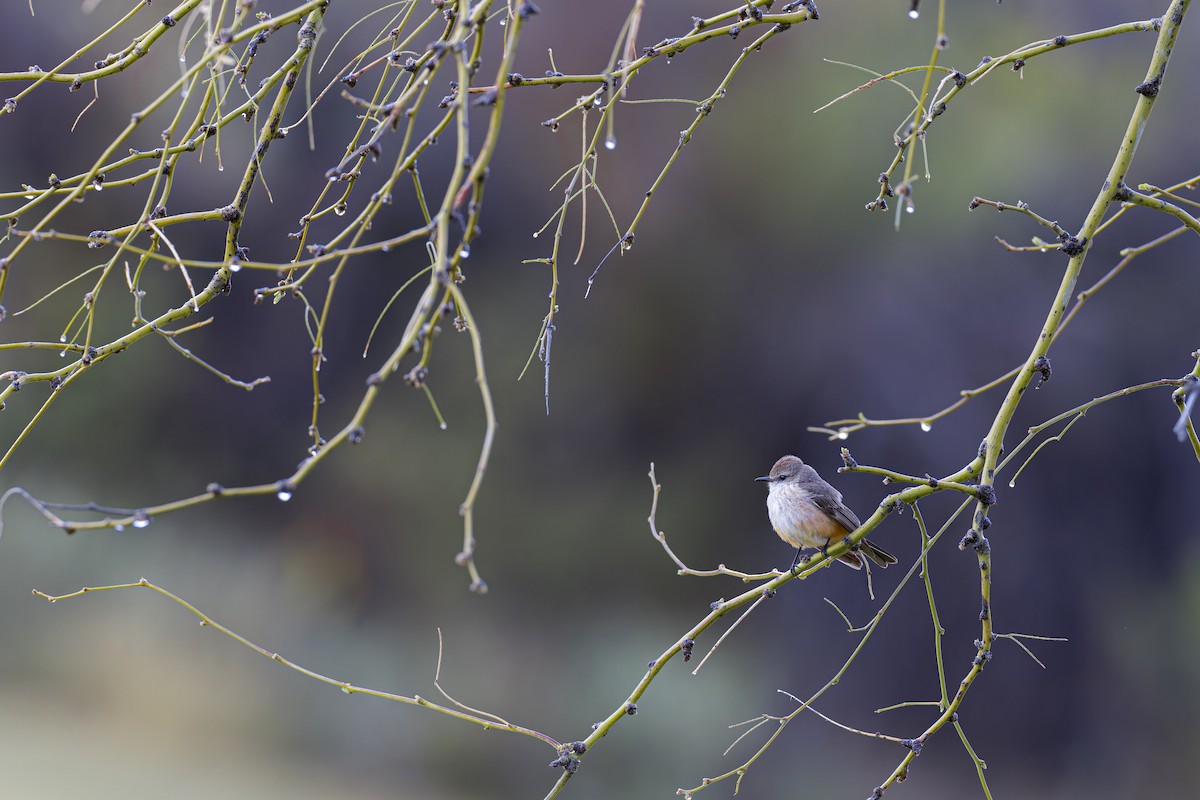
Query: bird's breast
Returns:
{"type": "Point", "coordinates": [798, 521]}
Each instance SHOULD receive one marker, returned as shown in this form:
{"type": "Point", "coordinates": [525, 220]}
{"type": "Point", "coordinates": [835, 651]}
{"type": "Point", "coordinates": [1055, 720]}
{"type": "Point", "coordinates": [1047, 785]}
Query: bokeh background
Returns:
{"type": "Point", "coordinates": [760, 299]}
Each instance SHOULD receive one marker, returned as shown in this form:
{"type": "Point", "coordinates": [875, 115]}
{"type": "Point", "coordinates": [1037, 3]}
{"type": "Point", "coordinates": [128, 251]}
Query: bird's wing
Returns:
{"type": "Point", "coordinates": [834, 507]}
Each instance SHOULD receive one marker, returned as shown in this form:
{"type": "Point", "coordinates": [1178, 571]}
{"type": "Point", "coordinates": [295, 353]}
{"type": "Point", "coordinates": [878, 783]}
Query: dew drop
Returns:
{"type": "Point", "coordinates": [62, 354]}
{"type": "Point", "coordinates": [842, 434]}
{"type": "Point", "coordinates": [925, 426]}
{"type": "Point", "coordinates": [235, 267]}
{"type": "Point", "coordinates": [118, 527]}
{"type": "Point", "coordinates": [387, 248]}
{"type": "Point", "coordinates": [141, 519]}
{"type": "Point", "coordinates": [284, 495]}
{"type": "Point", "coordinates": [503, 22]}
{"type": "Point", "coordinates": [443, 426]}
{"type": "Point", "coordinates": [610, 143]}
{"type": "Point", "coordinates": [535, 234]}
{"type": "Point", "coordinates": [63, 338]}
{"type": "Point", "coordinates": [1012, 484]}
{"type": "Point", "coordinates": [909, 209]}
{"type": "Point", "coordinates": [220, 167]}
{"type": "Point", "coordinates": [914, 14]}
{"type": "Point", "coordinates": [99, 187]}
{"type": "Point", "coordinates": [340, 209]}
{"type": "Point", "coordinates": [465, 252]}
{"type": "Point", "coordinates": [346, 689]}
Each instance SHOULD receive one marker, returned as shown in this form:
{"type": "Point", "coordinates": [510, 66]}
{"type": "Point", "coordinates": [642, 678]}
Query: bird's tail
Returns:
{"type": "Point", "coordinates": [877, 554]}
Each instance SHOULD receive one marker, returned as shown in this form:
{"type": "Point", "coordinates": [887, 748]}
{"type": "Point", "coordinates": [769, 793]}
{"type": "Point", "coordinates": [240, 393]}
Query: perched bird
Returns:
{"type": "Point", "coordinates": [807, 512]}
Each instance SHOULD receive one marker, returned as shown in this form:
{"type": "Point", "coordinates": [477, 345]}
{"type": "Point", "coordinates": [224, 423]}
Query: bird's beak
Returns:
{"type": "Point", "coordinates": [763, 478]}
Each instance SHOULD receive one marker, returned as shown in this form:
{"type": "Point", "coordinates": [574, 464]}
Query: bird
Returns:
{"type": "Point", "coordinates": [806, 511]}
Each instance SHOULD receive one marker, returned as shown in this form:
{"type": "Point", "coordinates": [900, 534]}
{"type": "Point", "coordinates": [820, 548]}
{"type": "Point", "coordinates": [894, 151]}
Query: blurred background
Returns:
{"type": "Point", "coordinates": [760, 299]}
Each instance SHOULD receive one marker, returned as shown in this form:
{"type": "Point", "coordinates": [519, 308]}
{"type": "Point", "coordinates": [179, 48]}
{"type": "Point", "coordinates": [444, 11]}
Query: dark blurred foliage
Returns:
{"type": "Point", "coordinates": [759, 299]}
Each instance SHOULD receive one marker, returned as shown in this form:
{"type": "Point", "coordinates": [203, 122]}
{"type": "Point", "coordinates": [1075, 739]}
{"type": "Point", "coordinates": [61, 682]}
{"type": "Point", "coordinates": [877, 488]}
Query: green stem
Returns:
{"type": "Point", "coordinates": [1148, 92]}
